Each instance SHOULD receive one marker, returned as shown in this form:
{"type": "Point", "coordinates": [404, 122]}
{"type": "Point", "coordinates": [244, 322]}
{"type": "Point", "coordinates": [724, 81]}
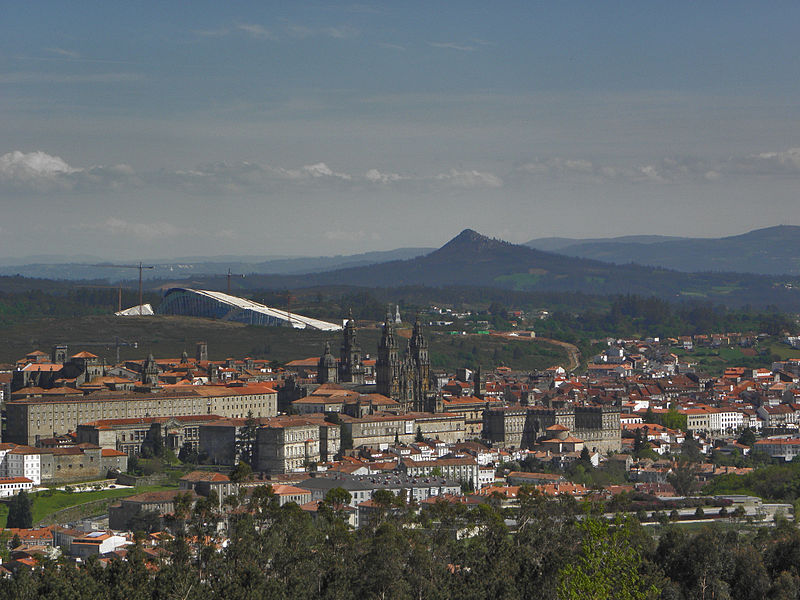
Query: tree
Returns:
{"type": "Point", "coordinates": [690, 449]}
{"type": "Point", "coordinates": [684, 477]}
{"type": "Point", "coordinates": [748, 437]}
{"type": "Point", "coordinates": [246, 440]}
{"type": "Point", "coordinates": [607, 566]}
{"type": "Point", "coordinates": [20, 514]}
{"type": "Point", "coordinates": [674, 420]}
{"type": "Point", "coordinates": [241, 472]}
{"type": "Point", "coordinates": [419, 437]}
{"type": "Point", "coordinates": [335, 503]}
{"type": "Point", "coordinates": [188, 454]}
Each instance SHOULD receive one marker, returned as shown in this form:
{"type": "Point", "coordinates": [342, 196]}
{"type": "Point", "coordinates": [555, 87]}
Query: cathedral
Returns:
{"type": "Point", "coordinates": [408, 379]}
{"type": "Point", "coordinates": [404, 378]}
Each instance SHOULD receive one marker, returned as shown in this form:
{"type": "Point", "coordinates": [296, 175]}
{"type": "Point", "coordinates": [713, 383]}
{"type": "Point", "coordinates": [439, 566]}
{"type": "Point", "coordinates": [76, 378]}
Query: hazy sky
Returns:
{"type": "Point", "coordinates": [174, 128]}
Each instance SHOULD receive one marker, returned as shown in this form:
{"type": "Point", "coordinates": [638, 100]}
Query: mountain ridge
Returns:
{"type": "Point", "coordinates": [770, 250]}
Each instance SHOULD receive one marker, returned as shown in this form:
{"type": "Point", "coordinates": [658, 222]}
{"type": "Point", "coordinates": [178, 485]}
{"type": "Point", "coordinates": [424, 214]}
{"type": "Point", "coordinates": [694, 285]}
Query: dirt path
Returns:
{"type": "Point", "coordinates": [573, 353]}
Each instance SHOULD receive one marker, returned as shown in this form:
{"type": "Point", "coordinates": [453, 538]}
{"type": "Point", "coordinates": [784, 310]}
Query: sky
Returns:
{"type": "Point", "coordinates": [155, 129]}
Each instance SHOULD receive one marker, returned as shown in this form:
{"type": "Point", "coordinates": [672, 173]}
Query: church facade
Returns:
{"type": "Point", "coordinates": [403, 377]}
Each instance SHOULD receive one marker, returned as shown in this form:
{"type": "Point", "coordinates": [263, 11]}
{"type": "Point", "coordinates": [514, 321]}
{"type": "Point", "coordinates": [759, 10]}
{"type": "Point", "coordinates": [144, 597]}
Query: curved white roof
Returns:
{"type": "Point", "coordinates": [297, 321]}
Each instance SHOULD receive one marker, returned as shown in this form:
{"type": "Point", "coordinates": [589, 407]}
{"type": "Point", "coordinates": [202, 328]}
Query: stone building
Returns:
{"type": "Point", "coordinates": [327, 369]}
{"type": "Point", "coordinates": [520, 427]}
{"type": "Point", "coordinates": [161, 503]}
{"type": "Point", "coordinates": [282, 445]}
{"type": "Point", "coordinates": [33, 417]}
{"type": "Point", "coordinates": [407, 379]}
{"type": "Point", "coordinates": [351, 368]}
{"type": "Point", "coordinates": [385, 428]}
{"type": "Point", "coordinates": [128, 435]}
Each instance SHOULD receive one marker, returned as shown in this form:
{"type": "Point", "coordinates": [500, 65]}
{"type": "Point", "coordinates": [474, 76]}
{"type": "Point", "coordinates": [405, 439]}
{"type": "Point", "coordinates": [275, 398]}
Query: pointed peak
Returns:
{"type": "Point", "coordinates": [469, 239]}
{"type": "Point", "coordinates": [469, 235]}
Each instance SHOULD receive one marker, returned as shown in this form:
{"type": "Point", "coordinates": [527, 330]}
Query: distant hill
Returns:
{"type": "Point", "coordinates": [558, 244]}
{"type": "Point", "coordinates": [191, 267]}
{"type": "Point", "coordinates": [473, 259]}
{"type": "Point", "coordinates": [773, 251]}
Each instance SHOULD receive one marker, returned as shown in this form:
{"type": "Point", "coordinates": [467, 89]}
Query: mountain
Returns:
{"type": "Point", "coordinates": [559, 244]}
{"type": "Point", "coordinates": [772, 250]}
{"type": "Point", "coordinates": [203, 266]}
{"type": "Point", "coordinates": [471, 259]}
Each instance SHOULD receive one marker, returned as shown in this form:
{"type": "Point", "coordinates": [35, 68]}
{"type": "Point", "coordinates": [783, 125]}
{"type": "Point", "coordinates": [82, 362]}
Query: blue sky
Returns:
{"type": "Point", "coordinates": [168, 129]}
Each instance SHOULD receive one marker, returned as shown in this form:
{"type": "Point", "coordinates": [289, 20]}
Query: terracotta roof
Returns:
{"type": "Point", "coordinates": [111, 452]}
{"type": "Point", "coordinates": [210, 476]}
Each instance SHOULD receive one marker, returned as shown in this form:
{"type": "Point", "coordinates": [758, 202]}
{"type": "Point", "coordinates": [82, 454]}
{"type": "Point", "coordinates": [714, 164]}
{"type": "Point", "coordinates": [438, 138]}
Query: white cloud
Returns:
{"type": "Point", "coordinates": [376, 176]}
{"type": "Point", "coordinates": [769, 163]}
{"type": "Point", "coordinates": [343, 32]}
{"type": "Point", "coordinates": [392, 46]}
{"type": "Point", "coordinates": [63, 52]}
{"type": "Point", "coordinates": [452, 46]}
{"type": "Point", "coordinates": [470, 179]}
{"type": "Point", "coordinates": [257, 31]}
{"type": "Point", "coordinates": [322, 170]}
{"type": "Point", "coordinates": [23, 166]}
{"type": "Point", "coordinates": [43, 172]}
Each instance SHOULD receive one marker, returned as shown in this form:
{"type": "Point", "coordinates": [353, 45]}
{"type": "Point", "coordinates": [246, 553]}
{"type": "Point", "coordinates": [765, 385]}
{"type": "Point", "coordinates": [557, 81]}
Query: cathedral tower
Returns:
{"type": "Point", "coordinates": [387, 365]}
{"type": "Point", "coordinates": [150, 372]}
{"type": "Point", "coordinates": [351, 369]}
{"type": "Point", "coordinates": [418, 354]}
{"type": "Point", "coordinates": [327, 370]}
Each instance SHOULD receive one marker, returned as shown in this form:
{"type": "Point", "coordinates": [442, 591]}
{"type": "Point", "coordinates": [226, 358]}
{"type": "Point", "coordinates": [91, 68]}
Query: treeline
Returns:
{"type": "Point", "coordinates": [16, 307]}
{"type": "Point", "coordinates": [554, 551]}
{"type": "Point", "coordinates": [636, 315]}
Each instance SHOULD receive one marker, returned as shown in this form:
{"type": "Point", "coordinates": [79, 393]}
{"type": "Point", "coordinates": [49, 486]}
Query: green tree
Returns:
{"type": "Point", "coordinates": [684, 477]}
{"type": "Point", "coordinates": [747, 437]}
{"type": "Point", "coordinates": [674, 420]}
{"type": "Point", "coordinates": [607, 566]}
{"type": "Point", "coordinates": [241, 472]}
{"type": "Point", "coordinates": [20, 513]}
{"type": "Point", "coordinates": [246, 440]}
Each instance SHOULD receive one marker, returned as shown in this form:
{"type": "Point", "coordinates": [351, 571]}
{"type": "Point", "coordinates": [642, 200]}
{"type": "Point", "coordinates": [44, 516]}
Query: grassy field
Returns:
{"type": "Point", "coordinates": [715, 360]}
{"type": "Point", "coordinates": [46, 503]}
{"type": "Point", "coordinates": [167, 336]}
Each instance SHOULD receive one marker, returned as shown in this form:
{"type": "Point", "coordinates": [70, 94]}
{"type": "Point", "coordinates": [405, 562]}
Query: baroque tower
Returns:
{"type": "Point", "coordinates": [418, 354]}
{"type": "Point", "coordinates": [327, 370]}
{"type": "Point", "coordinates": [387, 365]}
{"type": "Point", "coordinates": [351, 369]}
{"type": "Point", "coordinates": [150, 372]}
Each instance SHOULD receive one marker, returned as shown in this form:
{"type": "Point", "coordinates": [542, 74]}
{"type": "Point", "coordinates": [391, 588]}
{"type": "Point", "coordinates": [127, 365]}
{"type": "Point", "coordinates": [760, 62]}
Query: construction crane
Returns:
{"type": "Point", "coordinates": [289, 299]}
{"type": "Point", "coordinates": [229, 275]}
{"type": "Point", "coordinates": [108, 287]}
{"type": "Point", "coordinates": [140, 266]}
{"type": "Point", "coordinates": [117, 343]}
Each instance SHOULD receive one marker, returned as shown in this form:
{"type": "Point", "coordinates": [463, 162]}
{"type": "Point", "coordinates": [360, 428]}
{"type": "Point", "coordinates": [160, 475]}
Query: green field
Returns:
{"type": "Point", "coordinates": [48, 502]}
{"type": "Point", "coordinates": [715, 360]}
{"type": "Point", "coordinates": [167, 336]}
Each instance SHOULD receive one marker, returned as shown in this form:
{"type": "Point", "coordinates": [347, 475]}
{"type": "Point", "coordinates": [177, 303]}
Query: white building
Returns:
{"type": "Point", "coordinates": [11, 486]}
{"type": "Point", "coordinates": [97, 542]}
{"type": "Point", "coordinates": [724, 420]}
{"type": "Point", "coordinates": [25, 461]}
